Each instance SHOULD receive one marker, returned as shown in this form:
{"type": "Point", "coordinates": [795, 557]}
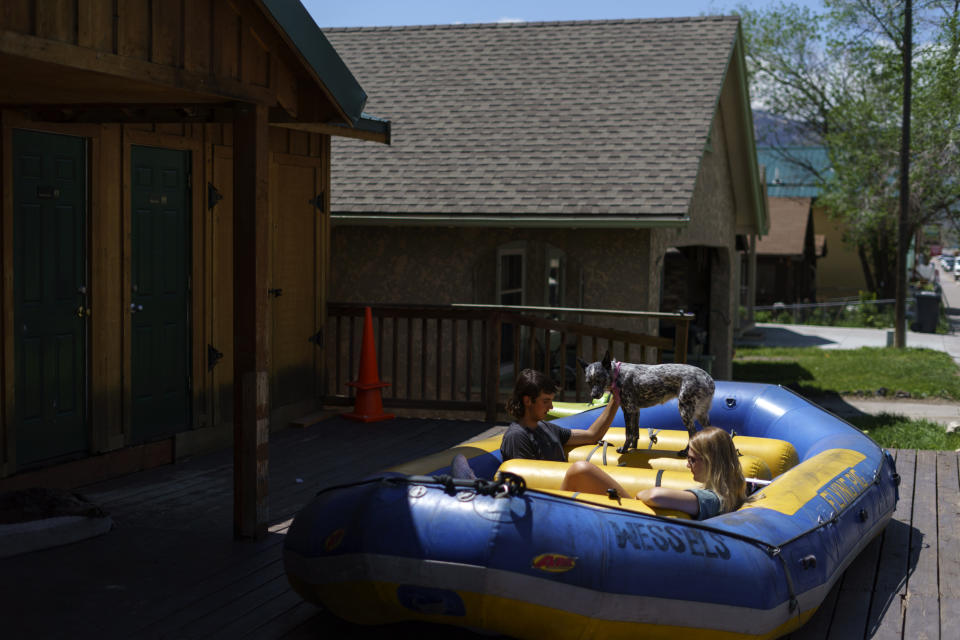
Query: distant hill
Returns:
{"type": "Point", "coordinates": [772, 130]}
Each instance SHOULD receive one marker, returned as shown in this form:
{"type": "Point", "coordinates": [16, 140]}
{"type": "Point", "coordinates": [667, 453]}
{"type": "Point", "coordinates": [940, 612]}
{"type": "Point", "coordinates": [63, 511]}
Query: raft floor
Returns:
{"type": "Point", "coordinates": [171, 569]}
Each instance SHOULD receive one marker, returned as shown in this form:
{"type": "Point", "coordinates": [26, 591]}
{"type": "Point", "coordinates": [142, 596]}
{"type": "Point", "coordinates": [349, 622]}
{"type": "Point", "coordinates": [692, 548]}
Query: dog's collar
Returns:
{"type": "Point", "coordinates": [614, 388]}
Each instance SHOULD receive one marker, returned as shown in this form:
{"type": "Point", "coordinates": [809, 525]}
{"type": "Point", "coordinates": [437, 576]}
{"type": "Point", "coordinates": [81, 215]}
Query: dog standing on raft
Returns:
{"type": "Point", "coordinates": [645, 385]}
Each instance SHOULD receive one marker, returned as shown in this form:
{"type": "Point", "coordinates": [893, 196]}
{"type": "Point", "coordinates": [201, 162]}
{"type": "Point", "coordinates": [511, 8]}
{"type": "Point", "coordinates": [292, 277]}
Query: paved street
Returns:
{"type": "Point", "coordinates": [951, 297]}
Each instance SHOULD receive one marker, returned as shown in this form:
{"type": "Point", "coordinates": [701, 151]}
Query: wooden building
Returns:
{"type": "Point", "coordinates": [788, 257]}
{"type": "Point", "coordinates": [791, 172]}
{"type": "Point", "coordinates": [165, 232]}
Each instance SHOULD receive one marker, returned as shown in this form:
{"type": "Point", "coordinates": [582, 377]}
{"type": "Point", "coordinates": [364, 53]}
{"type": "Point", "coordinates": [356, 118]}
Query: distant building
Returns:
{"type": "Point", "coordinates": [791, 173]}
{"type": "Point", "coordinates": [787, 256]}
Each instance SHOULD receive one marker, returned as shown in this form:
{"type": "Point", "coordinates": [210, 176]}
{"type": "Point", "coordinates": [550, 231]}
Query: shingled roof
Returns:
{"type": "Point", "coordinates": [789, 219]}
{"type": "Point", "coordinates": [597, 119]}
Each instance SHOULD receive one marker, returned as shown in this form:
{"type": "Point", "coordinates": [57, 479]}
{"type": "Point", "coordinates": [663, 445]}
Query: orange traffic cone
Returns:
{"type": "Point", "coordinates": [369, 404]}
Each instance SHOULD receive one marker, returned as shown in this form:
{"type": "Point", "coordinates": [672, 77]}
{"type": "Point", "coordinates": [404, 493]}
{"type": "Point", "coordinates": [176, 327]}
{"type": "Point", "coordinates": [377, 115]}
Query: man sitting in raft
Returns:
{"type": "Point", "coordinates": [530, 436]}
{"type": "Point", "coordinates": [712, 457]}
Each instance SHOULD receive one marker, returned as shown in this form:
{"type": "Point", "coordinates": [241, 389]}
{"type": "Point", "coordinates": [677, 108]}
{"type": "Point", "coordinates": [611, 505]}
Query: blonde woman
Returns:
{"type": "Point", "coordinates": [713, 459]}
{"type": "Point", "coordinates": [714, 462]}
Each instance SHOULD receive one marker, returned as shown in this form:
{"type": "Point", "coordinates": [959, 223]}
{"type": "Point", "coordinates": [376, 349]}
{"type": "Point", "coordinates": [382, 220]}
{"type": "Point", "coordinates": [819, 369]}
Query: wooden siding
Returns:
{"type": "Point", "coordinates": [169, 33]}
{"type": "Point", "coordinates": [304, 159]}
{"type": "Point", "coordinates": [295, 303]}
{"type": "Point", "coordinates": [220, 48]}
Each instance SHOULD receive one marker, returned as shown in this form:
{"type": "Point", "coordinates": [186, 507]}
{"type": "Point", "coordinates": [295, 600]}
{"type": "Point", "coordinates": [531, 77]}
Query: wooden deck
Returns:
{"type": "Point", "coordinates": [906, 583]}
{"type": "Point", "coordinates": [171, 569]}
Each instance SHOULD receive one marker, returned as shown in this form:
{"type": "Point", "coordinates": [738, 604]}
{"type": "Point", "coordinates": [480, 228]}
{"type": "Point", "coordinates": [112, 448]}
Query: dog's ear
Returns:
{"type": "Point", "coordinates": [606, 360]}
{"type": "Point", "coordinates": [583, 363]}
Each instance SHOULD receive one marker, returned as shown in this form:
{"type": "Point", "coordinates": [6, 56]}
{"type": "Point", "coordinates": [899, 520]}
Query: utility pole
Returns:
{"type": "Point", "coordinates": [900, 314]}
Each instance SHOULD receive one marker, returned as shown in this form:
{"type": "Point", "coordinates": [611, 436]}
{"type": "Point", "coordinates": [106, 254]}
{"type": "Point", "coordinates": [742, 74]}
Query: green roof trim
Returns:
{"type": "Point", "coordinates": [595, 221]}
{"type": "Point", "coordinates": [306, 36]}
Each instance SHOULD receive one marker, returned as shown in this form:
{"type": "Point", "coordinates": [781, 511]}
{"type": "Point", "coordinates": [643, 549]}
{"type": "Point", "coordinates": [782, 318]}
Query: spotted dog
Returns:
{"type": "Point", "coordinates": [642, 385]}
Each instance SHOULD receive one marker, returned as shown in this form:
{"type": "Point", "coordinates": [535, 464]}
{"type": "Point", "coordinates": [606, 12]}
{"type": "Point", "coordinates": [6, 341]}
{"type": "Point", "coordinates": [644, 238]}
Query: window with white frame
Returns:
{"type": "Point", "coordinates": [511, 274]}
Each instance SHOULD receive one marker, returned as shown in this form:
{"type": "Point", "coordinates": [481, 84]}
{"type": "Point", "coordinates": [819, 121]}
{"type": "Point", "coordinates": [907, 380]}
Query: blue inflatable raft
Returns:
{"type": "Point", "coordinates": [520, 557]}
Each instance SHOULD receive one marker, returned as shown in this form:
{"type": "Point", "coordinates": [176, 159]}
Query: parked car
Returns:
{"type": "Point", "coordinates": [947, 262]}
{"type": "Point", "coordinates": [956, 269]}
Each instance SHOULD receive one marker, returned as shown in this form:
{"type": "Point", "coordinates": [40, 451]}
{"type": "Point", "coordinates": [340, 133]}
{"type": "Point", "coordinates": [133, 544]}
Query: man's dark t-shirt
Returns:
{"type": "Point", "coordinates": [543, 443]}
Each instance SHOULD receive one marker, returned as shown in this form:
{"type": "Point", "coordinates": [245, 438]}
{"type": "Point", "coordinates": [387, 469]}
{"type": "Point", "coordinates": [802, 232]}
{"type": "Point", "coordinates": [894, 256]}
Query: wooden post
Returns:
{"type": "Point", "coordinates": [751, 280]}
{"type": "Point", "coordinates": [492, 383]}
{"type": "Point", "coordinates": [251, 390]}
{"type": "Point", "coordinates": [680, 340]}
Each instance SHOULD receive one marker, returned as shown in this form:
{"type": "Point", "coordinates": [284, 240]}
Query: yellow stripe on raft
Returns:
{"type": "Point", "coordinates": [626, 504]}
{"type": "Point", "coordinates": [547, 476]}
{"type": "Point", "coordinates": [829, 474]}
{"type": "Point", "coordinates": [434, 461]}
{"type": "Point", "coordinates": [373, 603]}
{"type": "Point", "coordinates": [565, 409]}
{"type": "Point", "coordinates": [778, 455]}
{"type": "Point", "coordinates": [752, 466]}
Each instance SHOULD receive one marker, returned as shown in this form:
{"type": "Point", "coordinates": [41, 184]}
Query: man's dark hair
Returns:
{"type": "Point", "coordinates": [530, 383]}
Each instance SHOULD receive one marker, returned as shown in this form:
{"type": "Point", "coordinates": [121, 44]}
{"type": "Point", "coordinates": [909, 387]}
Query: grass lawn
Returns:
{"type": "Point", "coordinates": [812, 372]}
{"type": "Point", "coordinates": [900, 432]}
{"type": "Point", "coordinates": [922, 373]}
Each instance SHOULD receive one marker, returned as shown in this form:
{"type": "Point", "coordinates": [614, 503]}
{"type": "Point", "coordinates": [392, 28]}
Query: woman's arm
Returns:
{"type": "Point", "coordinates": [676, 499]}
{"type": "Point", "coordinates": [599, 427]}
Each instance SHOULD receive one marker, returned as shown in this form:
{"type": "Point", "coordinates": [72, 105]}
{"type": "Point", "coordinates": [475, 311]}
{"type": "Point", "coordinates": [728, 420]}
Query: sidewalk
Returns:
{"type": "Point", "coordinates": [793, 335]}
{"type": "Point", "coordinates": [805, 335]}
{"type": "Point", "coordinates": [848, 407]}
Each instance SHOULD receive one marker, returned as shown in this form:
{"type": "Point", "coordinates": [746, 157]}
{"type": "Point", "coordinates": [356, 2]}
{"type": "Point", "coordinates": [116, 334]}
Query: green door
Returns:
{"type": "Point", "coordinates": [160, 297]}
{"type": "Point", "coordinates": [49, 290]}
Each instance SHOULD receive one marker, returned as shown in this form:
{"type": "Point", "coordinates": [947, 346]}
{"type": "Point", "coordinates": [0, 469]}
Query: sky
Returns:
{"type": "Point", "coordinates": [376, 13]}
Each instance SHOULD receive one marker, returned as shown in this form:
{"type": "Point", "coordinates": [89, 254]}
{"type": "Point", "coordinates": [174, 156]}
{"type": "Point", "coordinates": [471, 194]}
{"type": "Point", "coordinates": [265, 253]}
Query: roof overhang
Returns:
{"type": "Point", "coordinates": [754, 196]}
{"type": "Point", "coordinates": [318, 56]}
{"type": "Point", "coordinates": [50, 80]}
{"type": "Point", "coordinates": [367, 128]}
{"type": "Point", "coordinates": [543, 222]}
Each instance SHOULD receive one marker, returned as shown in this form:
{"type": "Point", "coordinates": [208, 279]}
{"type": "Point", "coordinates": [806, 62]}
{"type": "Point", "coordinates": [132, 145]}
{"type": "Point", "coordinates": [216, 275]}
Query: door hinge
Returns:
{"type": "Point", "coordinates": [317, 338]}
{"type": "Point", "coordinates": [189, 180]}
{"type": "Point", "coordinates": [189, 383]}
{"type": "Point", "coordinates": [317, 201]}
{"type": "Point", "coordinates": [213, 357]}
{"type": "Point", "coordinates": [213, 196]}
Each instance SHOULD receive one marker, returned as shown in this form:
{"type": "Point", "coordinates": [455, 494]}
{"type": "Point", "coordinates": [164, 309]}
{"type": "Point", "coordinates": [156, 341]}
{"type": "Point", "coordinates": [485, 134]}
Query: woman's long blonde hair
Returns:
{"type": "Point", "coordinates": [724, 475]}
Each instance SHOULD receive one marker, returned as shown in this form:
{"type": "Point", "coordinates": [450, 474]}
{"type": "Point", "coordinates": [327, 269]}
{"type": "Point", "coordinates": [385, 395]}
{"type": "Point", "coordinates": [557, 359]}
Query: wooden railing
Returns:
{"type": "Point", "coordinates": [468, 356]}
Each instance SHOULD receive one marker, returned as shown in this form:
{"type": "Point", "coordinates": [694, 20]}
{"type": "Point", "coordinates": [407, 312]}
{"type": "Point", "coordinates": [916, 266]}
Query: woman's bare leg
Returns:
{"type": "Point", "coordinates": [589, 478]}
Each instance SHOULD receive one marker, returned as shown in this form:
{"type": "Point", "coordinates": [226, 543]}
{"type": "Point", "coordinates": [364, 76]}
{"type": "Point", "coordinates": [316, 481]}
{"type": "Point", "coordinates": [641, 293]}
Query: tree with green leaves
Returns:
{"type": "Point", "coordinates": [839, 74]}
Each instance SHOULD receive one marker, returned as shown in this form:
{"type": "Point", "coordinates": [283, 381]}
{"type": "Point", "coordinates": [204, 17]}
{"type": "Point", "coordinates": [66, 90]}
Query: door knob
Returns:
{"type": "Point", "coordinates": [82, 312]}
{"type": "Point", "coordinates": [134, 307]}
